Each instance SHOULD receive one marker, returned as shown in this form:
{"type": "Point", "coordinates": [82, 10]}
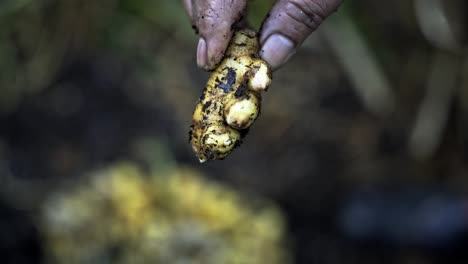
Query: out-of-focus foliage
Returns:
{"type": "Point", "coordinates": [38, 38]}
{"type": "Point", "coordinates": [257, 10]}
{"type": "Point", "coordinates": [122, 215]}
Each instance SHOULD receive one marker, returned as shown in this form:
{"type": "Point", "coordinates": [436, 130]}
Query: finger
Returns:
{"type": "Point", "coordinates": [289, 23]}
{"type": "Point", "coordinates": [214, 21]}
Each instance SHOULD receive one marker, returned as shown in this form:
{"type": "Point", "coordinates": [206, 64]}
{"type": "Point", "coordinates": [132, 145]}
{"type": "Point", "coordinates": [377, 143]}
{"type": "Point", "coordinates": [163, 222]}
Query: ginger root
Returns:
{"type": "Point", "coordinates": [231, 100]}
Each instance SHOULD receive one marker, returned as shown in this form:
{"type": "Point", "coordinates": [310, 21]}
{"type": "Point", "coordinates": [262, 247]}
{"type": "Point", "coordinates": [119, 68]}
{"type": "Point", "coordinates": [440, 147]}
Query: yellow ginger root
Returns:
{"type": "Point", "coordinates": [231, 100]}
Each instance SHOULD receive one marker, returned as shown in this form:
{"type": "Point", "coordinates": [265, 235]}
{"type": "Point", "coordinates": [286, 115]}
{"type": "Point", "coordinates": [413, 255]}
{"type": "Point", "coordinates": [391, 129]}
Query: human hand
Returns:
{"type": "Point", "coordinates": [284, 29]}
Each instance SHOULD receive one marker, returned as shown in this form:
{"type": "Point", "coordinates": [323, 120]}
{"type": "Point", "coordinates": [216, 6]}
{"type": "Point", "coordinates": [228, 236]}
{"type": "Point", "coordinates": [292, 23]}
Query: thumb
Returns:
{"type": "Point", "coordinates": [214, 21]}
{"type": "Point", "coordinates": [289, 23]}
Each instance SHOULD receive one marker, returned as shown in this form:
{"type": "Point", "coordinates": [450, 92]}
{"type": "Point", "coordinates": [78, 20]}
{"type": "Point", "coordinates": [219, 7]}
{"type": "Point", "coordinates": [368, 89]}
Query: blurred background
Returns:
{"type": "Point", "coordinates": [359, 155]}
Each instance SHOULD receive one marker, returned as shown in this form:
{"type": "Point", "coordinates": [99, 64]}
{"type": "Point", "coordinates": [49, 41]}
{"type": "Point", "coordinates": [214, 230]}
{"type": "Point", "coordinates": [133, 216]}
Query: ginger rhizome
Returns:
{"type": "Point", "coordinates": [231, 100]}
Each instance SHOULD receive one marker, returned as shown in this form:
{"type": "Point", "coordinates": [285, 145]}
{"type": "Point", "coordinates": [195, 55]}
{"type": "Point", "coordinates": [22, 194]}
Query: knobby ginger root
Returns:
{"type": "Point", "coordinates": [231, 100]}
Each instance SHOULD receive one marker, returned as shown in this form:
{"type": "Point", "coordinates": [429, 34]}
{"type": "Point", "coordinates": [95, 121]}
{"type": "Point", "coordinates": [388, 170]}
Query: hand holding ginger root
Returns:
{"type": "Point", "coordinates": [287, 25]}
{"type": "Point", "coordinates": [231, 100]}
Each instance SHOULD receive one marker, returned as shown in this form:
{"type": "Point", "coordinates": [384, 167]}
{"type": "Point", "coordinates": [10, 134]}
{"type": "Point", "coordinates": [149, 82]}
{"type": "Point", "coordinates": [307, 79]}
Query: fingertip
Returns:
{"type": "Point", "coordinates": [288, 24]}
{"type": "Point", "coordinates": [277, 50]}
{"type": "Point", "coordinates": [207, 55]}
{"type": "Point", "coordinates": [214, 21]}
{"type": "Point", "coordinates": [216, 46]}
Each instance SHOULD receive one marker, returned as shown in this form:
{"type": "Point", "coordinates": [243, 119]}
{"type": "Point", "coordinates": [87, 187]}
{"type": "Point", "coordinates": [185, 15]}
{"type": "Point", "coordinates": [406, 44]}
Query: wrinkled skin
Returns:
{"type": "Point", "coordinates": [288, 24]}
{"type": "Point", "coordinates": [231, 100]}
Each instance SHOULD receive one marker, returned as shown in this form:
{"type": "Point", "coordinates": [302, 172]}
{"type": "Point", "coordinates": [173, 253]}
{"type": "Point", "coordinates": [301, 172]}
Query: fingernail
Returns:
{"type": "Point", "coordinates": [277, 50]}
{"type": "Point", "coordinates": [201, 53]}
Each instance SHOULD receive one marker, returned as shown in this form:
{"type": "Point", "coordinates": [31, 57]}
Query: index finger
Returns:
{"type": "Point", "coordinates": [214, 21]}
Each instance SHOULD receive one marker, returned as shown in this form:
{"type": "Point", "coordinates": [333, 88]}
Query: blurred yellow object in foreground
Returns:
{"type": "Point", "coordinates": [125, 216]}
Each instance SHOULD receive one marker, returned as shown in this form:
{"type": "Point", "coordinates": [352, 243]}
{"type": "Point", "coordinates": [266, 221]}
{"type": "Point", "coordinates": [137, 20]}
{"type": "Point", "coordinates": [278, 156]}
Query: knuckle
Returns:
{"type": "Point", "coordinates": [303, 16]}
{"type": "Point", "coordinates": [219, 16]}
{"type": "Point", "coordinates": [316, 9]}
